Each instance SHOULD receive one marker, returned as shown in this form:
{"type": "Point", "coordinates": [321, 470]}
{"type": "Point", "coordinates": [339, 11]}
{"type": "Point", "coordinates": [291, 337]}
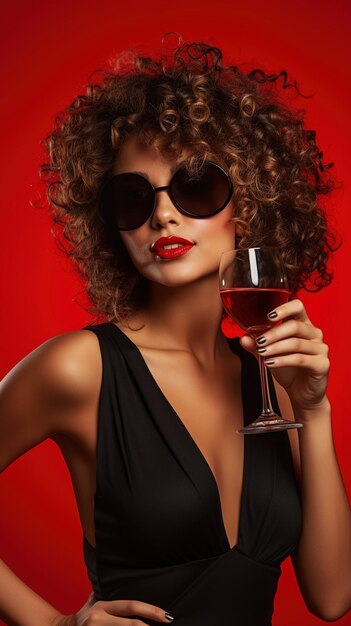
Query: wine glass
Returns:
{"type": "Point", "coordinates": [252, 283]}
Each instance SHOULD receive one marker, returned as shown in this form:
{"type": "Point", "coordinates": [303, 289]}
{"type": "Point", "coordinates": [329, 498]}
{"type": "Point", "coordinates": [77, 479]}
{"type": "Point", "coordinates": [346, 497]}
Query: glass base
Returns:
{"type": "Point", "coordinates": [269, 424]}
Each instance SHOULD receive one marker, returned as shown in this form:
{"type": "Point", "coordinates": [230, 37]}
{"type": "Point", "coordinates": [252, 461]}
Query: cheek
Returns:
{"type": "Point", "coordinates": [218, 228]}
{"type": "Point", "coordinates": [133, 244]}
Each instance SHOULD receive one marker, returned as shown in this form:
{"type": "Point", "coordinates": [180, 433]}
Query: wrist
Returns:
{"type": "Point", "coordinates": [64, 620]}
{"type": "Point", "coordinates": [317, 411]}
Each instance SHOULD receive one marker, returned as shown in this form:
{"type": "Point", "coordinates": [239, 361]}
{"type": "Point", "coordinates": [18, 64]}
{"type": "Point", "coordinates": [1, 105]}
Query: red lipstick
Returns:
{"type": "Point", "coordinates": [179, 247]}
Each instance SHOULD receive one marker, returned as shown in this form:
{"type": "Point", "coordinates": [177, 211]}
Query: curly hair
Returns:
{"type": "Point", "coordinates": [188, 98]}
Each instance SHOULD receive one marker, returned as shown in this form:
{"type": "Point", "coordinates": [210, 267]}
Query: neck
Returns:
{"type": "Point", "coordinates": [187, 318]}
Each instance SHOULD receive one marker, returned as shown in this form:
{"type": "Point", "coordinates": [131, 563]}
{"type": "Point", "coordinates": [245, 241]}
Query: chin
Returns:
{"type": "Point", "coordinates": [170, 276]}
{"type": "Point", "coordinates": [174, 281]}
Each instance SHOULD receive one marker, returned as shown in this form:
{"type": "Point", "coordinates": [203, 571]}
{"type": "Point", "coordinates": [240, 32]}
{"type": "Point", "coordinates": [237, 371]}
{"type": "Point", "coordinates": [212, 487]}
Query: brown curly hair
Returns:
{"type": "Point", "coordinates": [188, 98]}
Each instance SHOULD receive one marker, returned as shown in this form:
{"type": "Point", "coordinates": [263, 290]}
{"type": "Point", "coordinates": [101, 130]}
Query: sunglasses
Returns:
{"type": "Point", "coordinates": [129, 199]}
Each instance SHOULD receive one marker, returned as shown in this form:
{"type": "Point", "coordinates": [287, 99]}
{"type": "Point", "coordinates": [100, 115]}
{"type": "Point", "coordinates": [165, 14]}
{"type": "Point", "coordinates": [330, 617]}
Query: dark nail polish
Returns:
{"type": "Point", "coordinates": [272, 315]}
{"type": "Point", "coordinates": [269, 362]}
{"type": "Point", "coordinates": [169, 616]}
{"type": "Point", "coordinates": [261, 340]}
{"type": "Point", "coordinates": [260, 350]}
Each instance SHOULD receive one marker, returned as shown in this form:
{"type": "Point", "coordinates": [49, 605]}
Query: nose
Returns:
{"type": "Point", "coordinates": [165, 211]}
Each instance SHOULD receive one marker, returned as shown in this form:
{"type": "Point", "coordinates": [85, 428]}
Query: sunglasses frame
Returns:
{"type": "Point", "coordinates": [168, 188]}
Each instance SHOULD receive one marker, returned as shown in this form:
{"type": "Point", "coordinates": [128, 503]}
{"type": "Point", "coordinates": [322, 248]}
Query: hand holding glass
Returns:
{"type": "Point", "coordinates": [253, 283]}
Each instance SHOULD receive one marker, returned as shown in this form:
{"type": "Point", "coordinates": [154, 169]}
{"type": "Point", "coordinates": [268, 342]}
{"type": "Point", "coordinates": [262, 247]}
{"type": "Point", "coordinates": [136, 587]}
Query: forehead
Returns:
{"type": "Point", "coordinates": [136, 155]}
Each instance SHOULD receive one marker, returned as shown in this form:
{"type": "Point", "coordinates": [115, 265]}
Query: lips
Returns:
{"type": "Point", "coordinates": [158, 246]}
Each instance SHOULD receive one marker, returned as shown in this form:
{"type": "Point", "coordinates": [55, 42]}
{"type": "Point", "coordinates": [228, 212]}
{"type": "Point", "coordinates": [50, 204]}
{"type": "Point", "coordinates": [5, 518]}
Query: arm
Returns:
{"type": "Point", "coordinates": [322, 560]}
{"type": "Point", "coordinates": [20, 605]}
{"type": "Point", "coordinates": [44, 391]}
{"type": "Point", "coordinates": [49, 393]}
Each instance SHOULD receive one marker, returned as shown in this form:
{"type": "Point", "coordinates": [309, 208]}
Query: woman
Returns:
{"type": "Point", "coordinates": [182, 518]}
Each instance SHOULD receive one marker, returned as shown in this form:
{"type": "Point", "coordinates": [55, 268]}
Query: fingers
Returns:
{"type": "Point", "coordinates": [316, 364]}
{"type": "Point", "coordinates": [293, 345]}
{"type": "Point", "coordinates": [296, 323]}
{"type": "Point", "coordinates": [293, 329]}
{"type": "Point", "coordinates": [294, 308]}
{"type": "Point", "coordinates": [296, 327]}
{"type": "Point", "coordinates": [293, 352]}
{"type": "Point", "coordinates": [248, 343]}
{"type": "Point", "coordinates": [290, 328]}
{"type": "Point", "coordinates": [133, 607]}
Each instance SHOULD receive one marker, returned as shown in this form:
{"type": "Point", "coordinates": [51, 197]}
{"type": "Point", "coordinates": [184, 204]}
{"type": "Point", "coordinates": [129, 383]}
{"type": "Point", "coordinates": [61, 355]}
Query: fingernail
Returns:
{"type": "Point", "coordinates": [272, 315]}
{"type": "Point", "coordinates": [269, 362]}
{"type": "Point", "coordinates": [261, 340]}
{"type": "Point", "coordinates": [260, 350]}
{"type": "Point", "coordinates": [169, 616]}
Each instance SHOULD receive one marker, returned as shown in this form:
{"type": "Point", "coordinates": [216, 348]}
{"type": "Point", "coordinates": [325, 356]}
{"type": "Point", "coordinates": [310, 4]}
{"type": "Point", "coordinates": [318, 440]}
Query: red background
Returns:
{"type": "Point", "coordinates": [48, 51]}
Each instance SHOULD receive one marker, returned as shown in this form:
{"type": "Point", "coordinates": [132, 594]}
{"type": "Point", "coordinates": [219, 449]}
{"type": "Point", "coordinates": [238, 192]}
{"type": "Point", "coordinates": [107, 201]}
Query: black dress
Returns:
{"type": "Point", "coordinates": [159, 530]}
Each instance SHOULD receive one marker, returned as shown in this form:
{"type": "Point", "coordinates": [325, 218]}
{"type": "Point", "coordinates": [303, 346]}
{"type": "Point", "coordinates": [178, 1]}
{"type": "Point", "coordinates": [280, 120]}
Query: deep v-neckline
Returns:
{"type": "Point", "coordinates": [233, 343]}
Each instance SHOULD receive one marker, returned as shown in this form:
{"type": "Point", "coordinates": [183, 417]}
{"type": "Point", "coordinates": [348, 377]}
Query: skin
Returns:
{"type": "Point", "coordinates": [54, 392]}
{"type": "Point", "coordinates": [184, 309]}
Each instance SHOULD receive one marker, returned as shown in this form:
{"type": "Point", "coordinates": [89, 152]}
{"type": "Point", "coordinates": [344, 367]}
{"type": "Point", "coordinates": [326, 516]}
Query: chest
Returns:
{"type": "Point", "coordinates": [210, 408]}
{"type": "Point", "coordinates": [171, 466]}
{"type": "Point", "coordinates": [208, 404]}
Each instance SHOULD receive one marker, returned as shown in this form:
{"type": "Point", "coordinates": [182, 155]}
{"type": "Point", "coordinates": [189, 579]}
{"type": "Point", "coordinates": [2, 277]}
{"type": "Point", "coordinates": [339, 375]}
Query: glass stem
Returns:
{"type": "Point", "coordinates": [267, 410]}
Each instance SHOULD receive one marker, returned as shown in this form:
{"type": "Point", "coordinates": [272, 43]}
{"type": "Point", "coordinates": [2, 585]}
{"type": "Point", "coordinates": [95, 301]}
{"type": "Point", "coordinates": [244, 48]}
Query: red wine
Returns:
{"type": "Point", "coordinates": [248, 307]}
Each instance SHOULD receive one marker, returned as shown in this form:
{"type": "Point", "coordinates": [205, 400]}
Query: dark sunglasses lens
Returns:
{"type": "Point", "coordinates": [203, 194]}
{"type": "Point", "coordinates": [128, 200]}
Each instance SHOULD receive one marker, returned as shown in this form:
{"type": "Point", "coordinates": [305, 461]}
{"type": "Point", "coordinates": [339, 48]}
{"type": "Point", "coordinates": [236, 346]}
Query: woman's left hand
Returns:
{"type": "Point", "coordinates": [301, 363]}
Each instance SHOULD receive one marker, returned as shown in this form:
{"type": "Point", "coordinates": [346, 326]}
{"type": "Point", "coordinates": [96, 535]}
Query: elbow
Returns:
{"type": "Point", "coordinates": [328, 597]}
{"type": "Point", "coordinates": [332, 611]}
{"type": "Point", "coordinates": [331, 616]}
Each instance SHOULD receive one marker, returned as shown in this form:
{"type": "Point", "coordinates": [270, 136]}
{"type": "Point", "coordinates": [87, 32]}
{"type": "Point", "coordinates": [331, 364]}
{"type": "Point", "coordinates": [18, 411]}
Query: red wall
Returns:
{"type": "Point", "coordinates": [48, 51]}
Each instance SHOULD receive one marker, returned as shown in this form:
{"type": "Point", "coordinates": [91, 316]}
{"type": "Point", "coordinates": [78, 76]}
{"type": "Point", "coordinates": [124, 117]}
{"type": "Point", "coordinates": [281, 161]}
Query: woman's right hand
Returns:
{"type": "Point", "coordinates": [114, 613]}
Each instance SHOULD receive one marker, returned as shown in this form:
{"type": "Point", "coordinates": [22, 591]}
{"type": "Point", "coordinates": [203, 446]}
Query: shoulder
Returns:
{"type": "Point", "coordinates": [52, 390]}
{"type": "Point", "coordinates": [70, 364]}
{"type": "Point", "coordinates": [62, 371]}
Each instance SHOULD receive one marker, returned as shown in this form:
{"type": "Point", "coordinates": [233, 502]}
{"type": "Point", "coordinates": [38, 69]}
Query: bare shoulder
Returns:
{"type": "Point", "coordinates": [67, 366]}
{"type": "Point", "coordinates": [287, 411]}
{"type": "Point", "coordinates": [72, 364]}
{"type": "Point", "coordinates": [48, 392]}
